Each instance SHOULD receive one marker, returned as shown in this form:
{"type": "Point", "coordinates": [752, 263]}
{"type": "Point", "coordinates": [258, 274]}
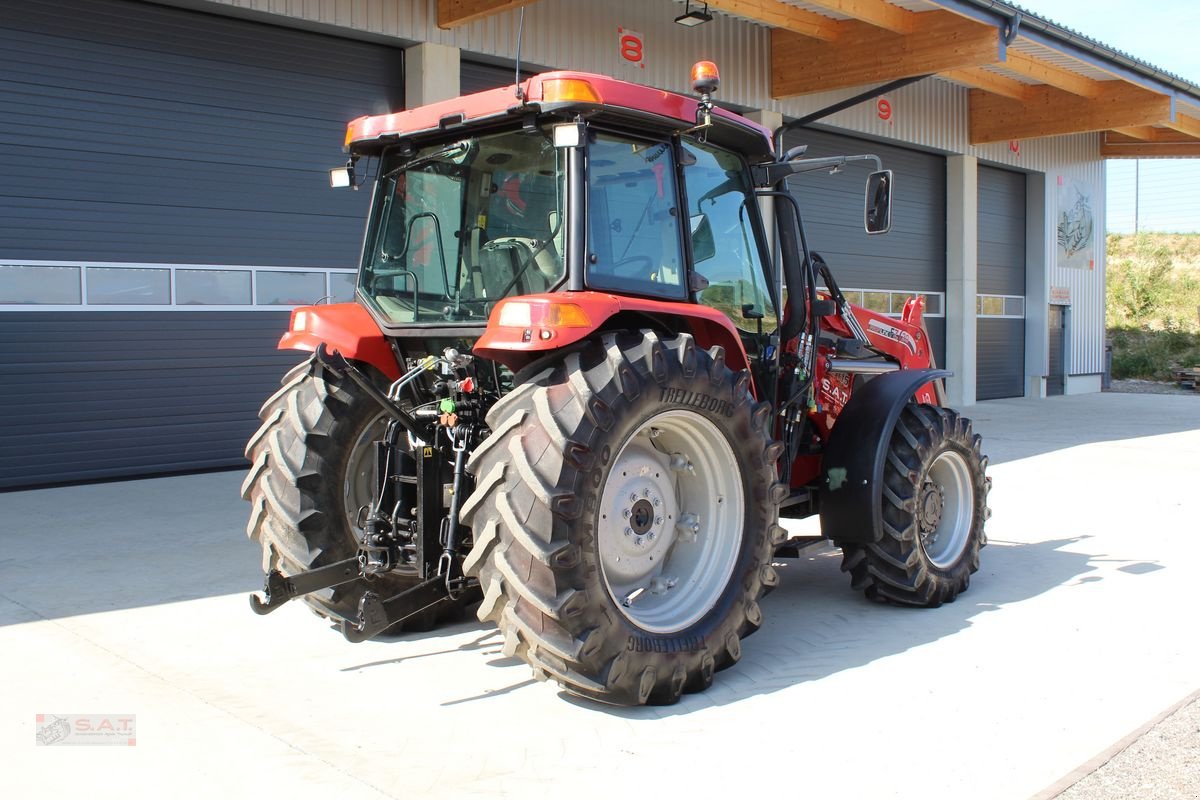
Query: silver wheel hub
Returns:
{"type": "Point", "coordinates": [669, 525]}
{"type": "Point", "coordinates": [644, 499]}
{"type": "Point", "coordinates": [945, 509]}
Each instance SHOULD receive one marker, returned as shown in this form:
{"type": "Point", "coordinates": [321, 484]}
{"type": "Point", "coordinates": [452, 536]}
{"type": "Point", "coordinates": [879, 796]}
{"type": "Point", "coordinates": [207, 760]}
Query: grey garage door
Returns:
{"type": "Point", "coordinates": [137, 140]}
{"type": "Point", "coordinates": [881, 270]}
{"type": "Point", "coordinates": [475, 76]}
{"type": "Point", "coordinates": [1000, 332]}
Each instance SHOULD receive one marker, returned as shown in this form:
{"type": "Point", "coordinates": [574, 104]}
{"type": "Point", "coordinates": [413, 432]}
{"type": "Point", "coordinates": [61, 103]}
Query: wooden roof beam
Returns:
{"type": "Point", "coordinates": [1146, 133]}
{"type": "Point", "coordinates": [452, 13]}
{"type": "Point", "coordinates": [781, 15]}
{"type": "Point", "coordinates": [941, 41]}
{"type": "Point", "coordinates": [1118, 146]}
{"type": "Point", "coordinates": [1049, 74]}
{"type": "Point", "coordinates": [979, 78]}
{"type": "Point", "coordinates": [873, 12]}
{"type": "Point", "coordinates": [1143, 133]}
{"type": "Point", "coordinates": [1052, 112]}
{"type": "Point", "coordinates": [1185, 124]}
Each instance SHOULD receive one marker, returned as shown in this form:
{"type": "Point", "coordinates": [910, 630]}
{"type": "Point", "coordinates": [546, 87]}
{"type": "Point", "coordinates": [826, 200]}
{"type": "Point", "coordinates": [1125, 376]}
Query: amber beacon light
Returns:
{"type": "Point", "coordinates": [705, 77]}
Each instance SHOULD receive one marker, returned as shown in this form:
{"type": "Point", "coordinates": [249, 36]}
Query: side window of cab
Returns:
{"type": "Point", "coordinates": [634, 243]}
{"type": "Point", "coordinates": [724, 247]}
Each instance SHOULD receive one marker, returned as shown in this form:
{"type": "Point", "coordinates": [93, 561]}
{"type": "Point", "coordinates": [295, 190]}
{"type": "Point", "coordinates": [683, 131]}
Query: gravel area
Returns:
{"type": "Point", "coordinates": [1162, 764]}
{"type": "Point", "coordinates": [1150, 387]}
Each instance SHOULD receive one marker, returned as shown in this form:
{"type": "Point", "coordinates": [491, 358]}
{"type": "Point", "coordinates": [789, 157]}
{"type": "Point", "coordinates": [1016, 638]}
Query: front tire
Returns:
{"type": "Point", "coordinates": [934, 508]}
{"type": "Point", "coordinates": [624, 518]}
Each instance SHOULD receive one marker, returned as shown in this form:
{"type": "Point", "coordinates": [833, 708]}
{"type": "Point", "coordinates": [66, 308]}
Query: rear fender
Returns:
{"type": "Point", "coordinates": [345, 327]}
{"type": "Point", "coordinates": [522, 329]}
{"type": "Point", "coordinates": [851, 478]}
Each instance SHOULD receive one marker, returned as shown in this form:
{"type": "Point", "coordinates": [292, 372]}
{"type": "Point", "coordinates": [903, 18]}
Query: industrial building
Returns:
{"type": "Point", "coordinates": [165, 200]}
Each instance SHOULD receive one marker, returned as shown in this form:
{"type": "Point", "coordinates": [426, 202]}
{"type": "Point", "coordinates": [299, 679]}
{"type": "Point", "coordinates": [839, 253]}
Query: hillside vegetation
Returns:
{"type": "Point", "coordinates": [1153, 303]}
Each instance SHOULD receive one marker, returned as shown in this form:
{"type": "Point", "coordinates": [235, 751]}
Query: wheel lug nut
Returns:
{"type": "Point", "coordinates": [627, 513]}
{"type": "Point", "coordinates": [658, 520]}
{"type": "Point", "coordinates": [633, 498]}
{"type": "Point", "coordinates": [628, 531]}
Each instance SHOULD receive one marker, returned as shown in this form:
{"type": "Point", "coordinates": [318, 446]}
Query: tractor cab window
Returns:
{"type": "Point", "coordinates": [633, 218]}
{"type": "Point", "coordinates": [724, 246]}
{"type": "Point", "coordinates": [456, 227]}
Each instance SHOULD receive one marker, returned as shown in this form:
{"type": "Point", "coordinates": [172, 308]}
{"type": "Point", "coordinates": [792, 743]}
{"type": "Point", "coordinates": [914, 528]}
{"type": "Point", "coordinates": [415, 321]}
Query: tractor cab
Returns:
{"type": "Point", "coordinates": [569, 183]}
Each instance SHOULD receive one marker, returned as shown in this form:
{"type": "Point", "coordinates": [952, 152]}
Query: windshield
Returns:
{"type": "Point", "coordinates": [457, 227]}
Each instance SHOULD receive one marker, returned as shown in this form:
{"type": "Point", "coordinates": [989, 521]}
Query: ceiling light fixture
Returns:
{"type": "Point", "coordinates": [690, 18]}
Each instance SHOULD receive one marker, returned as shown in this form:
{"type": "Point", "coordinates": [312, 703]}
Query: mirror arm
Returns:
{"type": "Point", "coordinates": [766, 175]}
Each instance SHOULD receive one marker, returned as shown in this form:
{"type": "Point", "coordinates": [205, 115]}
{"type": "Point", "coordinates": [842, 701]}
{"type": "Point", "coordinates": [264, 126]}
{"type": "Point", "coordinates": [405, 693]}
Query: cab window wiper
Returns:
{"type": "Point", "coordinates": [456, 149]}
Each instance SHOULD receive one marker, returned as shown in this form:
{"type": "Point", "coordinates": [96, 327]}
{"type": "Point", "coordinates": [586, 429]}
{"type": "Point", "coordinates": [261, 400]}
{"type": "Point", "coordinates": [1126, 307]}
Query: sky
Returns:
{"type": "Point", "coordinates": [1163, 33]}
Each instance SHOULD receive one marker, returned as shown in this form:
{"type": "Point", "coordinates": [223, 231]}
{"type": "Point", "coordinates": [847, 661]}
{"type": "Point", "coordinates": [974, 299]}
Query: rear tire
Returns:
{"type": "Point", "coordinates": [310, 461]}
{"type": "Point", "coordinates": [934, 509]}
{"type": "Point", "coordinates": [569, 577]}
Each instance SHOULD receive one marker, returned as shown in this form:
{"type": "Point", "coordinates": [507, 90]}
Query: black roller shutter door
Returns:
{"type": "Point", "coordinates": [1000, 341]}
{"type": "Point", "coordinates": [100, 395]}
{"type": "Point", "coordinates": [137, 133]}
{"type": "Point", "coordinates": [475, 76]}
{"type": "Point", "coordinates": [912, 256]}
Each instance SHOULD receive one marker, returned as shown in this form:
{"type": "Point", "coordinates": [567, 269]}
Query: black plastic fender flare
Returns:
{"type": "Point", "coordinates": [851, 499]}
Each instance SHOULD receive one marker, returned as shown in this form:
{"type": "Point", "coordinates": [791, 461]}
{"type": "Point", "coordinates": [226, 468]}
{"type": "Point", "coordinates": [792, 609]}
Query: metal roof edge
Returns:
{"type": "Point", "coordinates": [1089, 50]}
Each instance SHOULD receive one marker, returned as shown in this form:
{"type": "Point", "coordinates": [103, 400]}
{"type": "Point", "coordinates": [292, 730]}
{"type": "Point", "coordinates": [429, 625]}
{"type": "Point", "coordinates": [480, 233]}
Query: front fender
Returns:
{"type": "Point", "coordinates": [521, 329]}
{"type": "Point", "coordinates": [345, 327]}
{"type": "Point", "coordinates": [851, 499]}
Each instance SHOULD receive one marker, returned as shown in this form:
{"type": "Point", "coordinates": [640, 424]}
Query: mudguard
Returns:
{"type": "Point", "coordinates": [521, 329]}
{"type": "Point", "coordinates": [343, 327]}
{"type": "Point", "coordinates": [851, 499]}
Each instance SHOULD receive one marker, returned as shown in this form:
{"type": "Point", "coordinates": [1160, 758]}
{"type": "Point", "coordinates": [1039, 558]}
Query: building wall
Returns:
{"type": "Point", "coordinates": [932, 114]}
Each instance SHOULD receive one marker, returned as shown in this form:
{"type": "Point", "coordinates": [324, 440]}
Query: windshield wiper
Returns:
{"type": "Point", "coordinates": [458, 148]}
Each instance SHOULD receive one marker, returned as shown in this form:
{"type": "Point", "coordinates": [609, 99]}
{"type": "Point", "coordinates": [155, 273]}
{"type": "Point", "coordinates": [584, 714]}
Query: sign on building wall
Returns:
{"type": "Point", "coordinates": [1076, 225]}
{"type": "Point", "coordinates": [632, 47]}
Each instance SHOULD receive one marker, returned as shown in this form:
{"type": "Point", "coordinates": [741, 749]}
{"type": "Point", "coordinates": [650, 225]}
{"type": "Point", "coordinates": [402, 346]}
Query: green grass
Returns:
{"type": "Point", "coordinates": [1153, 304]}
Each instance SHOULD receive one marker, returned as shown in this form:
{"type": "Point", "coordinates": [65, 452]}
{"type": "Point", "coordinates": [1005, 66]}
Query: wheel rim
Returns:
{"type": "Point", "coordinates": [945, 506]}
{"type": "Point", "coordinates": [669, 521]}
{"type": "Point", "coordinates": [359, 484]}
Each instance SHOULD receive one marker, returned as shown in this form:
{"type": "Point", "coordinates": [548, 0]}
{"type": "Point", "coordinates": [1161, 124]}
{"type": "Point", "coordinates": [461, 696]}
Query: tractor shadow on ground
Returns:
{"type": "Point", "coordinates": [816, 626]}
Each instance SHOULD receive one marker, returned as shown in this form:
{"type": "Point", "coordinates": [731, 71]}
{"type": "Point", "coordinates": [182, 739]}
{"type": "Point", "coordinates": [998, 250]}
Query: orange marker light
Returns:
{"type": "Point", "coordinates": [522, 314]}
{"type": "Point", "coordinates": [705, 77]}
{"type": "Point", "coordinates": [568, 90]}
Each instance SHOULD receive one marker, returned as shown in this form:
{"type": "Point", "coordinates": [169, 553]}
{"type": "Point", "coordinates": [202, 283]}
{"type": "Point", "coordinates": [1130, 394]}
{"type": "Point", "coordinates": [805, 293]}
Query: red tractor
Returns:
{"type": "Point", "coordinates": [576, 389]}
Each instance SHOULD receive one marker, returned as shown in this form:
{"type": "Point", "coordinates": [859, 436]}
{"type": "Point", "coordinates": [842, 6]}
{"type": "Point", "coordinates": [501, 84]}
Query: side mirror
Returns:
{"type": "Point", "coordinates": [704, 245]}
{"type": "Point", "coordinates": [878, 213]}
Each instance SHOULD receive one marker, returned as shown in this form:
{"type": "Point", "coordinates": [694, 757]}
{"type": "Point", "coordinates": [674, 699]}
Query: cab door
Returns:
{"type": "Point", "coordinates": [727, 247]}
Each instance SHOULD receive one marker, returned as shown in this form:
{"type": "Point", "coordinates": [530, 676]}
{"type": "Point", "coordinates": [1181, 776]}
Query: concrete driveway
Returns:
{"type": "Point", "coordinates": [129, 598]}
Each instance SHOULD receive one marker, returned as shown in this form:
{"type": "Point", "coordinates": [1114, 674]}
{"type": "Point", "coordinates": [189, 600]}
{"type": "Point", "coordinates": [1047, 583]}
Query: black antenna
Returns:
{"type": "Point", "coordinates": [520, 30]}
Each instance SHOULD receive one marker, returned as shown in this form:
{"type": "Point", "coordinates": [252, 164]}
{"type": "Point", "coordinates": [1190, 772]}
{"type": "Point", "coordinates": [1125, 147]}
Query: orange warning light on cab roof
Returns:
{"type": "Point", "coordinates": [705, 77]}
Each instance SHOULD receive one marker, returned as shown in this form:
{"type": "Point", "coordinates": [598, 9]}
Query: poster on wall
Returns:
{"type": "Point", "coordinates": [1076, 225]}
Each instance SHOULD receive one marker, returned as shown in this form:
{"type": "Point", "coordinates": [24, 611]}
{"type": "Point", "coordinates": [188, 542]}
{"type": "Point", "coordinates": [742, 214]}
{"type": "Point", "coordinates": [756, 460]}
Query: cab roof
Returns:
{"type": "Point", "coordinates": [564, 93]}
